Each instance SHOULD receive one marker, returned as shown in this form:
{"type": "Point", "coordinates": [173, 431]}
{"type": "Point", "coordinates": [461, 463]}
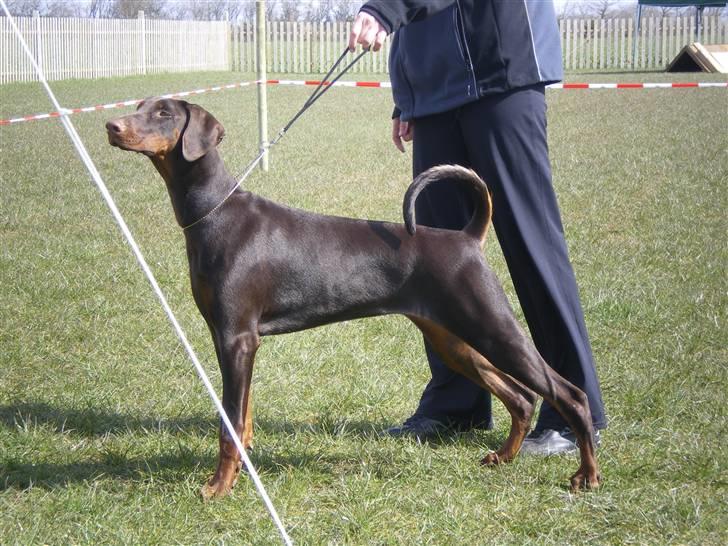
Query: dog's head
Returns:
{"type": "Point", "coordinates": [160, 125]}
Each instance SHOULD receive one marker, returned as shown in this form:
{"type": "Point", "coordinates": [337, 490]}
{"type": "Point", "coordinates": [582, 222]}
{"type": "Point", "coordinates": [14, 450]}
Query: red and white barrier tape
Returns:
{"type": "Point", "coordinates": [122, 104]}
{"type": "Point", "coordinates": [340, 83]}
{"type": "Point", "coordinates": [667, 85]}
{"type": "Point", "coordinates": [134, 102]}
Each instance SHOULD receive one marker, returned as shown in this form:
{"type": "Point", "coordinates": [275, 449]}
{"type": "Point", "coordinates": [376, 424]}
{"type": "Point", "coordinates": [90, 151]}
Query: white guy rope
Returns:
{"type": "Point", "coordinates": [88, 162]}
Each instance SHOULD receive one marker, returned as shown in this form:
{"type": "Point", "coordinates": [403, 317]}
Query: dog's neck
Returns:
{"type": "Point", "coordinates": [195, 187]}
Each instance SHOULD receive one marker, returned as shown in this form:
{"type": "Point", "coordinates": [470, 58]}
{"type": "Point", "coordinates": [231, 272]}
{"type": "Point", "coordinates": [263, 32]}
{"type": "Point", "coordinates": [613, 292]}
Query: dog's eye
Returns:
{"type": "Point", "coordinates": [163, 114]}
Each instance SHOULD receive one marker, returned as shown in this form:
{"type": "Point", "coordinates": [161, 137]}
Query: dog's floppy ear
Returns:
{"type": "Point", "coordinates": [202, 134]}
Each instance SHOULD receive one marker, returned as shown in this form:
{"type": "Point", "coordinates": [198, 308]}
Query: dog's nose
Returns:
{"type": "Point", "coordinates": [113, 127]}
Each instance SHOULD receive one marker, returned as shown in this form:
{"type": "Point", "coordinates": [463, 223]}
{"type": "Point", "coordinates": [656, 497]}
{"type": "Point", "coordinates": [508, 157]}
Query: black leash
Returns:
{"type": "Point", "coordinates": [323, 86]}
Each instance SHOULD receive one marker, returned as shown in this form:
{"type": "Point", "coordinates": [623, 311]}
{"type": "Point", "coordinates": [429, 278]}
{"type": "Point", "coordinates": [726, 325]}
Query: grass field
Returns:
{"type": "Point", "coordinates": [106, 434]}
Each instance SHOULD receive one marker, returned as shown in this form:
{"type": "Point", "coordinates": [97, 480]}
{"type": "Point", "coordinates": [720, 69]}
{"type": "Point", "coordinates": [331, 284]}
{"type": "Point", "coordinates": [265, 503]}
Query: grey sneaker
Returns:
{"type": "Point", "coordinates": [552, 442]}
{"type": "Point", "coordinates": [419, 427]}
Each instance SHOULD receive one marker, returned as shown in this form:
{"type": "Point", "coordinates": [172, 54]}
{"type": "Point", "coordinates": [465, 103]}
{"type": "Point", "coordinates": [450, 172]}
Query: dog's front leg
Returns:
{"type": "Point", "coordinates": [236, 354]}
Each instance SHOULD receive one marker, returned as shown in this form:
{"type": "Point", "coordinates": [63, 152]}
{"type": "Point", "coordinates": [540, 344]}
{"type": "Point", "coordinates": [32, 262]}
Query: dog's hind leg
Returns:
{"type": "Point", "coordinates": [515, 355]}
{"type": "Point", "coordinates": [236, 354]}
{"type": "Point", "coordinates": [518, 400]}
{"type": "Point", "coordinates": [477, 312]}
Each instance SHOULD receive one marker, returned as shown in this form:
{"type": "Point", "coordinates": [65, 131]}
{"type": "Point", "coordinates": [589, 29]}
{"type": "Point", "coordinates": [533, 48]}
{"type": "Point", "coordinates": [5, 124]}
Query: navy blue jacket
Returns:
{"type": "Point", "coordinates": [447, 53]}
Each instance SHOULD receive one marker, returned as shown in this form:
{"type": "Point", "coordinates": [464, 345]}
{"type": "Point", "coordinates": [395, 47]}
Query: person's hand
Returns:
{"type": "Point", "coordinates": [367, 31]}
{"type": "Point", "coordinates": [402, 131]}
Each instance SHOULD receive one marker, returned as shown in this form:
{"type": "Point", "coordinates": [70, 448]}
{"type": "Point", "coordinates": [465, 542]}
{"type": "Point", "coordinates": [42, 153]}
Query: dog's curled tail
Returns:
{"type": "Point", "coordinates": [478, 225]}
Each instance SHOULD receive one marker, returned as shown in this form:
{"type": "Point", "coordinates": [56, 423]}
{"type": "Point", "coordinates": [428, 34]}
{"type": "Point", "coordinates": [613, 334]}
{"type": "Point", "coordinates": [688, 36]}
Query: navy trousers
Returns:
{"type": "Point", "coordinates": [503, 138]}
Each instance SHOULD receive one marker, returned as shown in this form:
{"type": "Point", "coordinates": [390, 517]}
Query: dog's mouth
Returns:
{"type": "Point", "coordinates": [123, 142]}
{"type": "Point", "coordinates": [124, 138]}
{"type": "Point", "coordinates": [121, 137]}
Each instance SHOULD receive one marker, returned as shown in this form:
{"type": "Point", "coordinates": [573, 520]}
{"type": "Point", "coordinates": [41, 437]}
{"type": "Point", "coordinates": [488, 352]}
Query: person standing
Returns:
{"type": "Point", "coordinates": [468, 80]}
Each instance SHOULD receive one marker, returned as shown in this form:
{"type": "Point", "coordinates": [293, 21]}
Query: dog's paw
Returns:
{"type": "Point", "coordinates": [583, 481]}
{"type": "Point", "coordinates": [491, 459]}
{"type": "Point", "coordinates": [217, 490]}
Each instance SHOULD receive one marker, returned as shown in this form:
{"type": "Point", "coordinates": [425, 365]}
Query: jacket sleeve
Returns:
{"type": "Point", "coordinates": [393, 14]}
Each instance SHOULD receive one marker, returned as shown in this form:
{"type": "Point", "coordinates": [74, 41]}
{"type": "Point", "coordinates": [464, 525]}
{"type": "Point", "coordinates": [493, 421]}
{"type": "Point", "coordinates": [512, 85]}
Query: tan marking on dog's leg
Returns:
{"type": "Point", "coordinates": [462, 358]}
{"type": "Point", "coordinates": [247, 437]}
{"type": "Point", "coordinates": [239, 357]}
{"type": "Point", "coordinates": [226, 474]}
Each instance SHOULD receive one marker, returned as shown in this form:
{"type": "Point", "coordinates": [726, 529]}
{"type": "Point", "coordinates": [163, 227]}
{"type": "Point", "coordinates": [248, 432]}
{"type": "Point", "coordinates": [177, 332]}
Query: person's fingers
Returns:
{"type": "Point", "coordinates": [366, 31]}
{"type": "Point", "coordinates": [379, 40]}
{"type": "Point", "coordinates": [369, 36]}
{"type": "Point", "coordinates": [396, 126]}
{"type": "Point", "coordinates": [406, 130]}
{"type": "Point", "coordinates": [355, 31]}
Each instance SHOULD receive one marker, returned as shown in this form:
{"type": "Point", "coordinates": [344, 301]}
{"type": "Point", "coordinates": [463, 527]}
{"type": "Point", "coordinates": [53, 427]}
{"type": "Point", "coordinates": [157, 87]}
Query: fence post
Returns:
{"type": "Point", "coordinates": [229, 41]}
{"type": "Point", "coordinates": [37, 42]}
{"type": "Point", "coordinates": [254, 50]}
{"type": "Point", "coordinates": [320, 46]}
{"type": "Point", "coordinates": [142, 40]}
{"type": "Point", "coordinates": [262, 86]}
{"type": "Point", "coordinates": [602, 40]}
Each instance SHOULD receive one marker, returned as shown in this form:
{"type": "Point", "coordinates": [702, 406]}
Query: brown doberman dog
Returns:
{"type": "Point", "coordinates": [258, 268]}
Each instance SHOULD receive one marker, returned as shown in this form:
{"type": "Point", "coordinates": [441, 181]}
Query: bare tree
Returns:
{"type": "Point", "coordinates": [59, 8]}
{"type": "Point", "coordinates": [99, 8]}
{"type": "Point", "coordinates": [320, 11]}
{"type": "Point", "coordinates": [601, 9]}
{"type": "Point", "coordinates": [271, 7]}
{"type": "Point", "coordinates": [290, 10]}
{"type": "Point", "coordinates": [128, 9]}
{"type": "Point", "coordinates": [334, 10]}
{"type": "Point", "coordinates": [568, 9]}
{"type": "Point", "coordinates": [46, 8]}
{"type": "Point", "coordinates": [203, 11]}
{"type": "Point", "coordinates": [24, 8]}
{"type": "Point", "coordinates": [660, 12]}
{"type": "Point", "coordinates": [245, 9]}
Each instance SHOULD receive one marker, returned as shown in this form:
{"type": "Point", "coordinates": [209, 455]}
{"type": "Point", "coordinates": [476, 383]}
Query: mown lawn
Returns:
{"type": "Point", "coordinates": [106, 434]}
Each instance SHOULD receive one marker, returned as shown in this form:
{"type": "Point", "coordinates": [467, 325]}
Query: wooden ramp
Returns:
{"type": "Point", "coordinates": [697, 57]}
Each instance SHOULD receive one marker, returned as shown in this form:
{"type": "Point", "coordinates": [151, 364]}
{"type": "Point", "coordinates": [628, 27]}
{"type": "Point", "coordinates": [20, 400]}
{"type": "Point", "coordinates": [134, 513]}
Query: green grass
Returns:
{"type": "Point", "coordinates": [106, 434]}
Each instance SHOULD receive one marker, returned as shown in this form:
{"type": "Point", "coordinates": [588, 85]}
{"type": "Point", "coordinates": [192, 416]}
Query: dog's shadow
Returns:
{"type": "Point", "coordinates": [178, 459]}
{"type": "Point", "coordinates": [91, 422]}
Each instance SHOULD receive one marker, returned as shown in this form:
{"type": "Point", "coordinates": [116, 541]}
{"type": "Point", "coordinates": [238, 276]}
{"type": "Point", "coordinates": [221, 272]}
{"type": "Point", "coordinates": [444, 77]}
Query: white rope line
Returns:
{"type": "Point", "coordinates": [88, 162]}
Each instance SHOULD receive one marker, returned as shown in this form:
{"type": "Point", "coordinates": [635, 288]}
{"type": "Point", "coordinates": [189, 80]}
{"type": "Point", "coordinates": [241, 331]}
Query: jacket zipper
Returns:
{"type": "Point", "coordinates": [456, 30]}
{"type": "Point", "coordinates": [464, 49]}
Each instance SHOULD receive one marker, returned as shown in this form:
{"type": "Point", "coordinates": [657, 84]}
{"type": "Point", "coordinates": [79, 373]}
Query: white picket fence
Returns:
{"type": "Point", "coordinates": [587, 44]}
{"type": "Point", "coordinates": [604, 44]}
{"type": "Point", "coordinates": [301, 47]}
{"type": "Point", "coordinates": [92, 48]}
